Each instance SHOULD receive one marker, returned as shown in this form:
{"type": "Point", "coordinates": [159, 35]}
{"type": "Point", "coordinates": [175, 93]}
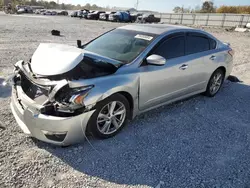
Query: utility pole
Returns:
{"type": "Point", "coordinates": [137, 4]}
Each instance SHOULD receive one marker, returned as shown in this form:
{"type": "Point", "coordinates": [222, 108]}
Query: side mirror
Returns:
{"type": "Point", "coordinates": [156, 60]}
{"type": "Point", "coordinates": [79, 43]}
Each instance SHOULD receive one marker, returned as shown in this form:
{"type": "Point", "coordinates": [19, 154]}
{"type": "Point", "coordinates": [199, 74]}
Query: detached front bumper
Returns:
{"type": "Point", "coordinates": [51, 129]}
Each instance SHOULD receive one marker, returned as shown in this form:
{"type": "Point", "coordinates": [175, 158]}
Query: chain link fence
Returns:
{"type": "Point", "coordinates": [201, 19]}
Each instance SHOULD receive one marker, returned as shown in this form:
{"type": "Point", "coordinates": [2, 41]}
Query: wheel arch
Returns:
{"type": "Point", "coordinates": [223, 69]}
{"type": "Point", "coordinates": [130, 99]}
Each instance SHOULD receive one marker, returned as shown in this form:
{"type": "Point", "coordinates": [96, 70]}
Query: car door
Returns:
{"type": "Point", "coordinates": [183, 74]}
{"type": "Point", "coordinates": [198, 47]}
{"type": "Point", "coordinates": [159, 84]}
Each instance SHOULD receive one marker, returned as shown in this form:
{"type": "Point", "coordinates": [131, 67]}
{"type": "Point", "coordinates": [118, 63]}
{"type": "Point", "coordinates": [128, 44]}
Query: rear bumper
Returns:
{"type": "Point", "coordinates": [32, 122]}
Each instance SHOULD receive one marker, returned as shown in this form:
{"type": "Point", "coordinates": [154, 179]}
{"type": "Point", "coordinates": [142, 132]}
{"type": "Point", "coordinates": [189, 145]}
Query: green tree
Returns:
{"type": "Point", "coordinates": [234, 9]}
{"type": "Point", "coordinates": [88, 6]}
{"type": "Point", "coordinates": [52, 4]}
{"type": "Point", "coordinates": [177, 9]}
{"type": "Point", "coordinates": [33, 2]}
{"type": "Point", "coordinates": [208, 7]}
{"type": "Point", "coordinates": [94, 7]}
{"type": "Point", "coordinates": [78, 7]}
{"type": "Point", "coordinates": [63, 6]}
{"type": "Point", "coordinates": [187, 10]}
{"type": "Point", "coordinates": [197, 9]}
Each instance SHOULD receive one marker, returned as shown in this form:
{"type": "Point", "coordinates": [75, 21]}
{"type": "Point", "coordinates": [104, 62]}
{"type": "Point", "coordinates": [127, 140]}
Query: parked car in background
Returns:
{"type": "Point", "coordinates": [63, 13]}
{"type": "Point", "coordinates": [97, 87]}
{"type": "Point", "coordinates": [47, 12]}
{"type": "Point", "coordinates": [79, 13]}
{"type": "Point", "coordinates": [148, 18]}
{"type": "Point", "coordinates": [111, 17]}
{"type": "Point", "coordinates": [74, 14]}
{"type": "Point", "coordinates": [39, 11]}
{"type": "Point", "coordinates": [133, 16]}
{"type": "Point", "coordinates": [120, 17]}
{"type": "Point", "coordinates": [83, 13]}
{"type": "Point", "coordinates": [105, 16]}
{"type": "Point", "coordinates": [53, 13]}
{"type": "Point", "coordinates": [94, 15]}
{"type": "Point", "coordinates": [42, 11]}
{"type": "Point", "coordinates": [24, 9]}
{"type": "Point", "coordinates": [28, 10]}
{"type": "Point", "coordinates": [21, 11]}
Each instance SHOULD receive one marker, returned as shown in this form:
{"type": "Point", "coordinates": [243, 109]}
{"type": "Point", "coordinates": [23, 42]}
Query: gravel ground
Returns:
{"type": "Point", "coordinates": [200, 142]}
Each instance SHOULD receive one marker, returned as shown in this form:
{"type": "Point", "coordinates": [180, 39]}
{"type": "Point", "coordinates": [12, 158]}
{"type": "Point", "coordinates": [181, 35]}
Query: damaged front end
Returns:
{"type": "Point", "coordinates": [48, 109]}
{"type": "Point", "coordinates": [45, 101]}
{"type": "Point", "coordinates": [54, 97]}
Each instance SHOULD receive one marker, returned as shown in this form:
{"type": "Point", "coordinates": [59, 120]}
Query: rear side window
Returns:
{"type": "Point", "coordinates": [171, 48]}
{"type": "Point", "coordinates": [196, 44]}
{"type": "Point", "coordinates": [213, 44]}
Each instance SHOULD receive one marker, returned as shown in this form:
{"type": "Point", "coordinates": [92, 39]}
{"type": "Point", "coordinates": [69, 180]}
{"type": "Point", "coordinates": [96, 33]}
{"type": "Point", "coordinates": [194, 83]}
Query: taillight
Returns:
{"type": "Point", "coordinates": [231, 52]}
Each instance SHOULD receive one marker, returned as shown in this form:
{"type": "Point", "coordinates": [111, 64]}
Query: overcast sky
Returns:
{"type": "Point", "coordinates": [156, 5]}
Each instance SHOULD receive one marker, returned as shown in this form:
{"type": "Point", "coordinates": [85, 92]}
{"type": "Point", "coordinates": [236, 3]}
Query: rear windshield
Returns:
{"type": "Point", "coordinates": [120, 44]}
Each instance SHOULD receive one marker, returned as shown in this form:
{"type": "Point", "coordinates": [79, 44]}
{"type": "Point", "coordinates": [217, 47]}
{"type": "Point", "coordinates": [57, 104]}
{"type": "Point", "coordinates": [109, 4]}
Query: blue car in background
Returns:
{"type": "Point", "coordinates": [120, 17]}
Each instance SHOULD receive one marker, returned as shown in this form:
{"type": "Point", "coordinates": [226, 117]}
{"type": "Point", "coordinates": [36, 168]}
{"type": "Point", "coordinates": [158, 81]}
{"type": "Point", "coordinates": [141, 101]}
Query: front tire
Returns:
{"type": "Point", "coordinates": [215, 83]}
{"type": "Point", "coordinates": [110, 117]}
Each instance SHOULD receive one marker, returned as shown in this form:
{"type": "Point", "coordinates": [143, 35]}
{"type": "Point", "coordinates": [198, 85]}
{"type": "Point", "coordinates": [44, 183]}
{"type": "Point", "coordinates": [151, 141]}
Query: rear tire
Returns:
{"type": "Point", "coordinates": [104, 123]}
{"type": "Point", "coordinates": [215, 83]}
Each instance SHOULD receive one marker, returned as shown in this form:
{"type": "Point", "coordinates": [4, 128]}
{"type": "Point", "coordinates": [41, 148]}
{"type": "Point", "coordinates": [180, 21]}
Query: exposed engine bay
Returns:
{"type": "Point", "coordinates": [53, 92]}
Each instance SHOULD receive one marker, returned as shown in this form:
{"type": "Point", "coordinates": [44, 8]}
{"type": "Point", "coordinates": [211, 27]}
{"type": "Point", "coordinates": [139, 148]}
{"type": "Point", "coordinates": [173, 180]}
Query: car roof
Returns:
{"type": "Point", "coordinates": [154, 28]}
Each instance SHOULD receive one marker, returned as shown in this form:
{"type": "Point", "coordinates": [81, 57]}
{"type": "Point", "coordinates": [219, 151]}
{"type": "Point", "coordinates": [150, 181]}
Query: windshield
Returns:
{"type": "Point", "coordinates": [120, 44]}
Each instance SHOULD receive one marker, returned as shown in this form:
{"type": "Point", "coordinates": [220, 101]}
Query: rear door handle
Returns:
{"type": "Point", "coordinates": [212, 57]}
{"type": "Point", "coordinates": [183, 67]}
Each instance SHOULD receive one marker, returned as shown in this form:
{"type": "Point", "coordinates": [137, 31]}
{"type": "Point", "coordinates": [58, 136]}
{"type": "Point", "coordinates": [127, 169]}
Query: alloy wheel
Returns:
{"type": "Point", "coordinates": [111, 117]}
{"type": "Point", "coordinates": [215, 83]}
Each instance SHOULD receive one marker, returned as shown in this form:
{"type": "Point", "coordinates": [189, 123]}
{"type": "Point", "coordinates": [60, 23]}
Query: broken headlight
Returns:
{"type": "Point", "coordinates": [68, 102]}
{"type": "Point", "coordinates": [73, 98]}
{"type": "Point", "coordinates": [78, 95]}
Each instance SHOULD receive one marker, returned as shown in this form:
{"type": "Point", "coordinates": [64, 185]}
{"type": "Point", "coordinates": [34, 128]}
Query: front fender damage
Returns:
{"type": "Point", "coordinates": [102, 91]}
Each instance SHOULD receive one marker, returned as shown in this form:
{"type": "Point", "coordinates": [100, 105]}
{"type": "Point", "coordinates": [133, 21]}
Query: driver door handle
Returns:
{"type": "Point", "coordinates": [212, 57]}
{"type": "Point", "coordinates": [183, 67]}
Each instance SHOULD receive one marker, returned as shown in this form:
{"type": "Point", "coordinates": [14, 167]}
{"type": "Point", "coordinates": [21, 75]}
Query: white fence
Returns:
{"type": "Point", "coordinates": [220, 20]}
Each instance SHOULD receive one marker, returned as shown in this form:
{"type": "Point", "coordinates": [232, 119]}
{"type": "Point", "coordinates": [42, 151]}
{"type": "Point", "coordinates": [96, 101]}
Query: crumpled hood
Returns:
{"type": "Point", "coordinates": [53, 59]}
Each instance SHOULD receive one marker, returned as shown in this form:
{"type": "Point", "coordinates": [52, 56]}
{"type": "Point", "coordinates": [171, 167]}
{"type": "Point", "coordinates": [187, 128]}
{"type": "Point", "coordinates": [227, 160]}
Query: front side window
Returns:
{"type": "Point", "coordinates": [196, 44]}
{"type": "Point", "coordinates": [121, 44]}
{"type": "Point", "coordinates": [171, 48]}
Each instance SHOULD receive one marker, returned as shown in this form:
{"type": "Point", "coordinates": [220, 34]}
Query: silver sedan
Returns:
{"type": "Point", "coordinates": [64, 92]}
